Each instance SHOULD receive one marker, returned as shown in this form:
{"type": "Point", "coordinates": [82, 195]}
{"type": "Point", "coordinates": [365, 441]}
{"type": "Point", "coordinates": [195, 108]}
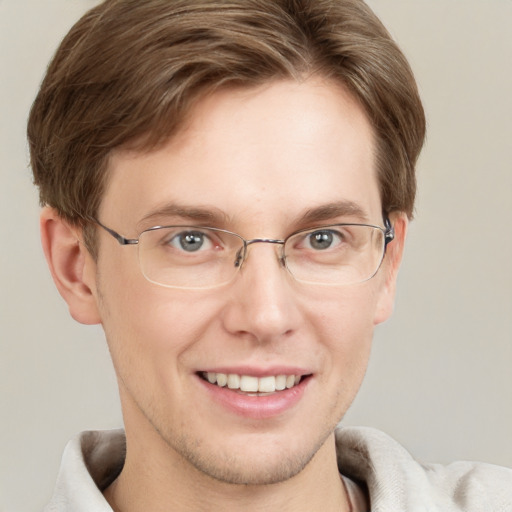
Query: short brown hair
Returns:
{"type": "Point", "coordinates": [129, 70]}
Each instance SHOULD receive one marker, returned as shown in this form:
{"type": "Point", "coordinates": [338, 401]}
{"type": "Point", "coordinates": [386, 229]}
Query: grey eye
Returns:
{"type": "Point", "coordinates": [190, 241]}
{"type": "Point", "coordinates": [321, 239]}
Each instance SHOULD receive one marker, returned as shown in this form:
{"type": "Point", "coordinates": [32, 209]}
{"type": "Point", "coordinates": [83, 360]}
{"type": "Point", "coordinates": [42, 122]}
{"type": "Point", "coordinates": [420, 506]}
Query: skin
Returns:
{"type": "Point", "coordinates": [259, 159]}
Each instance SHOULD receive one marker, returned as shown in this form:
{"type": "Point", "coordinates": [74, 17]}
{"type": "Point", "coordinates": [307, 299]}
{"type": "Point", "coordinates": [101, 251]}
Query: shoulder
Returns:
{"type": "Point", "coordinates": [91, 461]}
{"type": "Point", "coordinates": [396, 481]}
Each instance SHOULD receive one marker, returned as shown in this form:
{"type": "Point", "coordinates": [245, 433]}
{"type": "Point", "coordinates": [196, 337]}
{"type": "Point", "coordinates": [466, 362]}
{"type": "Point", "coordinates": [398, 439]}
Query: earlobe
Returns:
{"type": "Point", "coordinates": [70, 265]}
{"type": "Point", "coordinates": [390, 267]}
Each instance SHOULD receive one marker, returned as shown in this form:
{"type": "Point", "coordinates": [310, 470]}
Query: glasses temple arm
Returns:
{"type": "Point", "coordinates": [389, 234]}
{"type": "Point", "coordinates": [120, 238]}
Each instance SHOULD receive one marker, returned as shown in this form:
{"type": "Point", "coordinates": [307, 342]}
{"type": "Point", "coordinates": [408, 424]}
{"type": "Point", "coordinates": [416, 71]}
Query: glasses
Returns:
{"type": "Point", "coordinates": [195, 257]}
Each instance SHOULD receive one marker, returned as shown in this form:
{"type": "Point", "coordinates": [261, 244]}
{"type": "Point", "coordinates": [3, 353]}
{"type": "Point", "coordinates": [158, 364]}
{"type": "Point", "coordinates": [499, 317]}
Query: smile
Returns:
{"type": "Point", "coordinates": [251, 384]}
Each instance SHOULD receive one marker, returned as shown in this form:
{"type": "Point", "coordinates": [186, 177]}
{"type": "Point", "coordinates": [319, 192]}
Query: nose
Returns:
{"type": "Point", "coordinates": [261, 301]}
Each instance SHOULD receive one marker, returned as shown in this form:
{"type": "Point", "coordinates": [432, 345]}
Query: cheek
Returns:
{"type": "Point", "coordinates": [153, 321]}
{"type": "Point", "coordinates": [342, 321]}
{"type": "Point", "coordinates": [149, 328]}
{"type": "Point", "coordinates": [345, 320]}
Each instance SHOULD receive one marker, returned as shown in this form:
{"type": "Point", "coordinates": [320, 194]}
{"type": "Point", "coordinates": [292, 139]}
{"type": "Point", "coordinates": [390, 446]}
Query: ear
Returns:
{"type": "Point", "coordinates": [71, 265]}
{"type": "Point", "coordinates": [390, 267]}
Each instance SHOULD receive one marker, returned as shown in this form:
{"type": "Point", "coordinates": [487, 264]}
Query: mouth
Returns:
{"type": "Point", "coordinates": [251, 385]}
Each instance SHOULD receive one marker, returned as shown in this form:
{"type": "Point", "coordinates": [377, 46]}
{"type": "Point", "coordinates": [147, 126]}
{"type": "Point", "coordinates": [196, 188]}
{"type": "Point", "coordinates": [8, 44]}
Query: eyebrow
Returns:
{"type": "Point", "coordinates": [217, 218]}
{"type": "Point", "coordinates": [209, 216]}
{"type": "Point", "coordinates": [333, 210]}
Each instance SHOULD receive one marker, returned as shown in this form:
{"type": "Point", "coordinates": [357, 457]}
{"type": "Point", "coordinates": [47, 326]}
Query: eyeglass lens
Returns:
{"type": "Point", "coordinates": [193, 257]}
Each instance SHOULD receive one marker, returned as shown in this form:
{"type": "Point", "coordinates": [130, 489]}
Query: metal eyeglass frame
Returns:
{"type": "Point", "coordinates": [389, 235]}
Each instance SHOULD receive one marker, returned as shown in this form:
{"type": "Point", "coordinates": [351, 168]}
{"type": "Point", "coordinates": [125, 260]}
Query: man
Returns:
{"type": "Point", "coordinates": [227, 188]}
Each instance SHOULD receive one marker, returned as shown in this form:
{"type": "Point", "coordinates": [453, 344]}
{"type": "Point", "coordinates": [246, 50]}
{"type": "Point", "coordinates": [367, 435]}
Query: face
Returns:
{"type": "Point", "coordinates": [263, 163]}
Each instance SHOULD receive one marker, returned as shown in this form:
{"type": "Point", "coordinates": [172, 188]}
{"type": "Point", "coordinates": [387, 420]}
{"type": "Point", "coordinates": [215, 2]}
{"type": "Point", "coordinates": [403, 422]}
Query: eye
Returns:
{"type": "Point", "coordinates": [191, 241]}
{"type": "Point", "coordinates": [323, 239]}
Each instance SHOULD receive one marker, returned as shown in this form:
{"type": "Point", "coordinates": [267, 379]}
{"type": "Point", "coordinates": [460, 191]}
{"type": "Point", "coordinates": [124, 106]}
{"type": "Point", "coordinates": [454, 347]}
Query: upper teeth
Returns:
{"type": "Point", "coordinates": [250, 384]}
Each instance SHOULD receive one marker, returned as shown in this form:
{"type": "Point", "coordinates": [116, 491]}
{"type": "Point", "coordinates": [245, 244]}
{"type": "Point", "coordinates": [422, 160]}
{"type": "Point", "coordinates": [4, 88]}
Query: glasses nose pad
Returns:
{"type": "Point", "coordinates": [282, 258]}
{"type": "Point", "coordinates": [239, 258]}
{"type": "Point", "coordinates": [241, 253]}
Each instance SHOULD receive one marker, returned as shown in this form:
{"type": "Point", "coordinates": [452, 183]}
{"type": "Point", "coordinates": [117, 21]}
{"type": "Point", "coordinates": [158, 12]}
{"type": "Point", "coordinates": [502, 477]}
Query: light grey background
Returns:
{"type": "Point", "coordinates": [440, 377]}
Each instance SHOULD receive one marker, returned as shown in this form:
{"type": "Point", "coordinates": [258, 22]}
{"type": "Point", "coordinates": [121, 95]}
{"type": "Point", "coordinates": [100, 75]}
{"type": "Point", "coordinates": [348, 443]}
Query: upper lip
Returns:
{"type": "Point", "coordinates": [258, 371]}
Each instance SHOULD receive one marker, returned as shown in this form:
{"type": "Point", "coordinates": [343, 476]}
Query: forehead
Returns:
{"type": "Point", "coordinates": [259, 154]}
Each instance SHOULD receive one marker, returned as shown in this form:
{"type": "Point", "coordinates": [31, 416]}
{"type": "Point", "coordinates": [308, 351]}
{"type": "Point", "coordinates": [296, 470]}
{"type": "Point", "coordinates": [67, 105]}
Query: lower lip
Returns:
{"type": "Point", "coordinates": [256, 407]}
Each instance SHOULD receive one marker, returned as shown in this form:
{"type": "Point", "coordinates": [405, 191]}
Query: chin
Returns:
{"type": "Point", "coordinates": [240, 470]}
{"type": "Point", "coordinates": [253, 462]}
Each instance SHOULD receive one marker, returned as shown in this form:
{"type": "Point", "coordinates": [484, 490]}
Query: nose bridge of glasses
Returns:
{"type": "Point", "coordinates": [243, 253]}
